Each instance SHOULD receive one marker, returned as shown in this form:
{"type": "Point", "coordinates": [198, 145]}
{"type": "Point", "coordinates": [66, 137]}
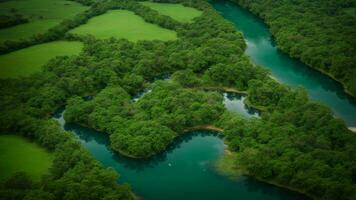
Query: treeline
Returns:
{"type": "Point", "coordinates": [74, 173]}
{"type": "Point", "coordinates": [298, 143]}
{"type": "Point", "coordinates": [320, 33]}
{"type": "Point", "coordinates": [290, 145]}
{"type": "Point", "coordinates": [55, 33]}
{"type": "Point", "coordinates": [147, 127]}
{"type": "Point", "coordinates": [7, 21]}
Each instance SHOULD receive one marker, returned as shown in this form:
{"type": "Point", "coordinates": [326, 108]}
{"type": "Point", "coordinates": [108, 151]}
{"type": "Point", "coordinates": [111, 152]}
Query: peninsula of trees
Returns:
{"type": "Point", "coordinates": [296, 143]}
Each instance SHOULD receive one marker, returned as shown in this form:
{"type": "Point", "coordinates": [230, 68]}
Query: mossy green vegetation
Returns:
{"type": "Point", "coordinates": [296, 143]}
{"type": "Point", "coordinates": [123, 24]}
{"type": "Point", "coordinates": [20, 155]}
{"type": "Point", "coordinates": [41, 14]}
{"type": "Point", "coordinates": [30, 60]}
{"type": "Point", "coordinates": [146, 128]}
{"type": "Point", "coordinates": [226, 165]}
{"type": "Point", "coordinates": [320, 34]}
{"type": "Point", "coordinates": [176, 11]}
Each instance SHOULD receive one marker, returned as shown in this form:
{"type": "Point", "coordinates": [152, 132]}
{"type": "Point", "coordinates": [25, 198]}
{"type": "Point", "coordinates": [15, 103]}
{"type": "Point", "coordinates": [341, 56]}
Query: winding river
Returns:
{"type": "Point", "coordinates": [262, 50]}
{"type": "Point", "coordinates": [185, 171]}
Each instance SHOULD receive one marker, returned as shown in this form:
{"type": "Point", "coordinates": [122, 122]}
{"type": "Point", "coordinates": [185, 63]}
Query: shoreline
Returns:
{"type": "Point", "coordinates": [249, 104]}
{"type": "Point", "coordinates": [352, 129]}
{"type": "Point", "coordinates": [224, 89]}
{"type": "Point", "coordinates": [233, 172]}
{"type": "Point", "coordinates": [345, 89]}
{"type": "Point", "coordinates": [330, 76]}
{"type": "Point", "coordinates": [205, 127]}
{"type": "Point", "coordinates": [208, 127]}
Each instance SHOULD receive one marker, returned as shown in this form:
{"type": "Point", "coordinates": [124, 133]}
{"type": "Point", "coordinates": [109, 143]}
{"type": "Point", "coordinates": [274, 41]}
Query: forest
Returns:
{"type": "Point", "coordinates": [319, 33]}
{"type": "Point", "coordinates": [296, 143]}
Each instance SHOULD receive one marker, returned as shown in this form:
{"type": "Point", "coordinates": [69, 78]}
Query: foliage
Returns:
{"type": "Point", "coordinates": [146, 128]}
{"type": "Point", "coordinates": [30, 60]}
{"type": "Point", "coordinates": [74, 173]}
{"type": "Point", "coordinates": [296, 143]}
{"type": "Point", "coordinates": [34, 17]}
{"type": "Point", "coordinates": [141, 138]}
{"type": "Point", "coordinates": [319, 33]}
{"type": "Point", "coordinates": [8, 21]}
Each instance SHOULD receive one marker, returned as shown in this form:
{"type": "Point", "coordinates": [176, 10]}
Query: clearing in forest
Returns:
{"type": "Point", "coordinates": [41, 14]}
{"type": "Point", "coordinates": [123, 24]}
{"type": "Point", "coordinates": [20, 155]}
{"type": "Point", "coordinates": [29, 60]}
{"type": "Point", "coordinates": [176, 11]}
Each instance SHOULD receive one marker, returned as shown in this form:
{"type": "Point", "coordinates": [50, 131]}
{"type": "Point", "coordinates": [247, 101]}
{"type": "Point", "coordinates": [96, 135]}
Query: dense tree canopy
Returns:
{"type": "Point", "coordinates": [7, 21]}
{"type": "Point", "coordinates": [295, 143]}
{"type": "Point", "coordinates": [321, 33]}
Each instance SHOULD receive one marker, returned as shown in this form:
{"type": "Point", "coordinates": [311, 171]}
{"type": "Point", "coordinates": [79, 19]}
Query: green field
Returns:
{"type": "Point", "coordinates": [123, 24]}
{"type": "Point", "coordinates": [29, 60]}
{"type": "Point", "coordinates": [43, 15]}
{"type": "Point", "coordinates": [19, 154]}
{"type": "Point", "coordinates": [176, 11]}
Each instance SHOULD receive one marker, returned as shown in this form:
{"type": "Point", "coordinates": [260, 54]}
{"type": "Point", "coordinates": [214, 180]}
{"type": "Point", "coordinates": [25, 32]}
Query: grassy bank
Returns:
{"type": "Point", "coordinates": [19, 154]}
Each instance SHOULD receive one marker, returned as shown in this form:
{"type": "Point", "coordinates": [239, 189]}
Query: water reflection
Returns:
{"type": "Point", "coordinates": [184, 171]}
{"type": "Point", "coordinates": [262, 50]}
{"type": "Point", "coordinates": [88, 135]}
{"type": "Point", "coordinates": [234, 102]}
{"type": "Point", "coordinates": [141, 94]}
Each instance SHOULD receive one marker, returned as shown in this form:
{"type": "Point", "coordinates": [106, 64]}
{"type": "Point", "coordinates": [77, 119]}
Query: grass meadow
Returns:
{"type": "Point", "coordinates": [30, 60]}
{"type": "Point", "coordinates": [42, 15]}
{"type": "Point", "coordinates": [19, 154]}
{"type": "Point", "coordinates": [123, 24]}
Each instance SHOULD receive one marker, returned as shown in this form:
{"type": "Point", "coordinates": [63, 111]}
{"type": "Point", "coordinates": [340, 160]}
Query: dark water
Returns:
{"type": "Point", "coordinates": [262, 51]}
{"type": "Point", "coordinates": [184, 171]}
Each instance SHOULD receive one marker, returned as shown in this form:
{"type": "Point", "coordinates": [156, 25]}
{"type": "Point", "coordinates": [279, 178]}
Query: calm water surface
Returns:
{"type": "Point", "coordinates": [184, 171]}
{"type": "Point", "coordinates": [262, 51]}
{"type": "Point", "coordinates": [235, 103]}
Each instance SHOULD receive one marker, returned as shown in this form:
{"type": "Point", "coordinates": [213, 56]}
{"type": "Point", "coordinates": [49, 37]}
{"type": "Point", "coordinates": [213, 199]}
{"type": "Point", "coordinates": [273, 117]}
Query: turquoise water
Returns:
{"type": "Point", "coordinates": [262, 50]}
{"type": "Point", "coordinates": [185, 171]}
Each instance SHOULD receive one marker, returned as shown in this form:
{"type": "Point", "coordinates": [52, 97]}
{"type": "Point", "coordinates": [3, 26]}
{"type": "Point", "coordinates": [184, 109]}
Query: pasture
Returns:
{"type": "Point", "coordinates": [176, 11]}
{"type": "Point", "coordinates": [19, 154]}
{"type": "Point", "coordinates": [42, 15]}
{"type": "Point", "coordinates": [123, 24]}
{"type": "Point", "coordinates": [30, 60]}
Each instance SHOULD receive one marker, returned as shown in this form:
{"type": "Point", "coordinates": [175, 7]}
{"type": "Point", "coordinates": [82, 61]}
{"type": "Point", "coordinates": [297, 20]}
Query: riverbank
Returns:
{"type": "Point", "coordinates": [279, 47]}
{"type": "Point", "coordinates": [226, 165]}
{"type": "Point", "coordinates": [205, 127]}
{"type": "Point", "coordinates": [187, 130]}
{"type": "Point", "coordinates": [353, 129]}
{"type": "Point", "coordinates": [250, 105]}
{"type": "Point", "coordinates": [224, 89]}
{"type": "Point", "coordinates": [334, 78]}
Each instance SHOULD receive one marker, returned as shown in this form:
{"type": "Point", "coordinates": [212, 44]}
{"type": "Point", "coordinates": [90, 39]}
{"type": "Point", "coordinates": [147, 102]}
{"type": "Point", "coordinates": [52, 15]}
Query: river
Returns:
{"type": "Point", "coordinates": [185, 171]}
{"type": "Point", "coordinates": [263, 51]}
